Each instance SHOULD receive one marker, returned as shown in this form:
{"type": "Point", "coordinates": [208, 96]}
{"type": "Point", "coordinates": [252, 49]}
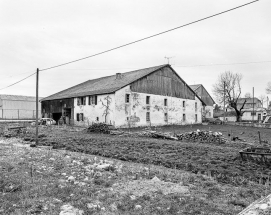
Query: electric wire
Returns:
{"type": "Point", "coordinates": [18, 81]}
{"type": "Point", "coordinates": [145, 38]}
{"type": "Point", "coordinates": [136, 41]}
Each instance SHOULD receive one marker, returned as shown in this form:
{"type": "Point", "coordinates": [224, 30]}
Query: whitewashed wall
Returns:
{"type": "Point", "coordinates": [209, 111]}
{"type": "Point", "coordinates": [134, 113]}
{"type": "Point", "coordinates": [91, 112]}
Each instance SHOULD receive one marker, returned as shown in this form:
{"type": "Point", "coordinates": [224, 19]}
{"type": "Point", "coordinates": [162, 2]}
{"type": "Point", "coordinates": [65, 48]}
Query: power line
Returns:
{"type": "Point", "coordinates": [18, 81]}
{"type": "Point", "coordinates": [145, 38]}
{"type": "Point", "coordinates": [223, 64]}
{"type": "Point", "coordinates": [198, 65]}
{"type": "Point", "coordinates": [136, 41]}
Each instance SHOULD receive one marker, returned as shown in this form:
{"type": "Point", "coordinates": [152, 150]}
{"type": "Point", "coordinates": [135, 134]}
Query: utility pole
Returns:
{"type": "Point", "coordinates": [224, 102]}
{"type": "Point", "coordinates": [252, 104]}
{"type": "Point", "coordinates": [37, 108]}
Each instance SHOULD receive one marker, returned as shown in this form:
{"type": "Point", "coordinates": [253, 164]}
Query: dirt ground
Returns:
{"type": "Point", "coordinates": [219, 160]}
{"type": "Point", "coordinates": [42, 181]}
{"type": "Point", "coordinates": [173, 162]}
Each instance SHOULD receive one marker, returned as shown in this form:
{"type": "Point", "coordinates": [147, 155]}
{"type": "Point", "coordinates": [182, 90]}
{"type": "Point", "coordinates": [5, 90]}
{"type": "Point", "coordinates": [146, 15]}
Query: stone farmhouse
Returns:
{"type": "Point", "coordinates": [150, 96]}
{"type": "Point", "coordinates": [200, 90]}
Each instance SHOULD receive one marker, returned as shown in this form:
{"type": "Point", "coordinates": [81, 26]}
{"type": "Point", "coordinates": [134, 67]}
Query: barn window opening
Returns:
{"type": "Point", "coordinates": [79, 117]}
{"type": "Point", "coordinates": [148, 117]}
{"type": "Point", "coordinates": [92, 100]}
{"type": "Point", "coordinates": [127, 98]}
{"type": "Point", "coordinates": [165, 102]}
{"type": "Point", "coordinates": [166, 117]}
{"type": "Point", "coordinates": [147, 100]}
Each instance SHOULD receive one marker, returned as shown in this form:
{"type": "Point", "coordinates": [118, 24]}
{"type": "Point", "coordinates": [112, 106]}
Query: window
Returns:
{"type": "Point", "coordinates": [184, 117]}
{"type": "Point", "coordinates": [81, 101]}
{"type": "Point", "coordinates": [196, 117]}
{"type": "Point", "coordinates": [80, 117]}
{"type": "Point", "coordinates": [148, 117]}
{"type": "Point", "coordinates": [196, 106]}
{"type": "Point", "coordinates": [147, 100]}
{"type": "Point", "coordinates": [183, 104]}
{"type": "Point", "coordinates": [97, 119]}
{"type": "Point", "coordinates": [92, 100]}
{"type": "Point", "coordinates": [127, 98]}
{"type": "Point", "coordinates": [253, 113]}
{"type": "Point", "coordinates": [165, 102]}
{"type": "Point", "coordinates": [166, 117]}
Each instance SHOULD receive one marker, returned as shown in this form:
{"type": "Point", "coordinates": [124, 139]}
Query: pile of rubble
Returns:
{"type": "Point", "coordinates": [202, 136]}
{"type": "Point", "coordinates": [100, 128]}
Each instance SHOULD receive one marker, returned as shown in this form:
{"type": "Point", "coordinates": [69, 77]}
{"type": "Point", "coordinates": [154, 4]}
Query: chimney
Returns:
{"type": "Point", "coordinates": [118, 76]}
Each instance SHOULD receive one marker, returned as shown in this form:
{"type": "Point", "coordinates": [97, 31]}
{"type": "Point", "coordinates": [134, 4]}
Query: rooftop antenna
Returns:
{"type": "Point", "coordinates": [168, 59]}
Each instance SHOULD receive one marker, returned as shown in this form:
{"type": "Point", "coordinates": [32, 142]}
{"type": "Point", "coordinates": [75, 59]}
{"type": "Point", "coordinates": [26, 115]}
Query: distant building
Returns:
{"type": "Point", "coordinates": [18, 107]}
{"type": "Point", "coordinates": [249, 103]}
{"type": "Point", "coordinates": [208, 110]}
{"type": "Point", "coordinates": [150, 96]}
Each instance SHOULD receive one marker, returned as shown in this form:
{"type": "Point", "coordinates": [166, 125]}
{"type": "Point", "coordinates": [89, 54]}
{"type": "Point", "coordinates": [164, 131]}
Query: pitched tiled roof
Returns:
{"type": "Point", "coordinates": [108, 84]}
{"type": "Point", "coordinates": [18, 98]}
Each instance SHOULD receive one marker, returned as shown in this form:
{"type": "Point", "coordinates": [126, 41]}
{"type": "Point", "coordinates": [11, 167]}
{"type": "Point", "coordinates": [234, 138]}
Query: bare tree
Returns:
{"type": "Point", "coordinates": [247, 95]}
{"type": "Point", "coordinates": [232, 83]}
{"type": "Point", "coordinates": [106, 106]}
{"type": "Point", "coordinates": [262, 98]}
{"type": "Point", "coordinates": [268, 88]}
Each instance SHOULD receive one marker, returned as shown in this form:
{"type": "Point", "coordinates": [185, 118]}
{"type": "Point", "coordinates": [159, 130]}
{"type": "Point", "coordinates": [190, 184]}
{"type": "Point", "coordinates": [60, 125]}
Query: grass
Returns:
{"type": "Point", "coordinates": [35, 181]}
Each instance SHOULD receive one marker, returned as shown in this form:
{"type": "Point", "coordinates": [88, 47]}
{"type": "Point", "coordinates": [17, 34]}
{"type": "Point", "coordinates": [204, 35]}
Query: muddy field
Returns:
{"type": "Point", "coordinates": [219, 160]}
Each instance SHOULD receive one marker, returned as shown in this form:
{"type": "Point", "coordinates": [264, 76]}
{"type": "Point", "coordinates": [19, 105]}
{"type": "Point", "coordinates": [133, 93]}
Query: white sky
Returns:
{"type": "Point", "coordinates": [40, 34]}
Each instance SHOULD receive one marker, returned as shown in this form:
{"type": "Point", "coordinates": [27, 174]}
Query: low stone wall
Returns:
{"type": "Point", "coordinates": [248, 124]}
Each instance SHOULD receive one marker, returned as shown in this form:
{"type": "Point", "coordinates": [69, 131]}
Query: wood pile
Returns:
{"type": "Point", "coordinates": [101, 128]}
{"type": "Point", "coordinates": [202, 136]}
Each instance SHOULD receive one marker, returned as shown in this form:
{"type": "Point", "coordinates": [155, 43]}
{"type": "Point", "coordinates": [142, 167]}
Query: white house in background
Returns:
{"type": "Point", "coordinates": [200, 90]}
{"type": "Point", "coordinates": [17, 107]}
{"type": "Point", "coordinates": [150, 96]}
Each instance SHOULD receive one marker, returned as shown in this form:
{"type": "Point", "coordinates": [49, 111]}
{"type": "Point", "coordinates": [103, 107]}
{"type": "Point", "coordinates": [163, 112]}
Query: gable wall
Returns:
{"type": "Point", "coordinates": [163, 82]}
{"type": "Point", "coordinates": [134, 112]}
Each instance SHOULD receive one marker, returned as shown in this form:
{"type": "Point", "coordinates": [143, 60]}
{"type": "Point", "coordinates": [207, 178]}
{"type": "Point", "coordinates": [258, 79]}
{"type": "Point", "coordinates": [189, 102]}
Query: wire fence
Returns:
{"type": "Point", "coordinates": [17, 114]}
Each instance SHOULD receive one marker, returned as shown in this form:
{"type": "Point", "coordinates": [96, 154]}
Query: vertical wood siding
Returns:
{"type": "Point", "coordinates": [163, 82]}
{"type": "Point", "coordinates": [204, 95]}
{"type": "Point", "coordinates": [56, 106]}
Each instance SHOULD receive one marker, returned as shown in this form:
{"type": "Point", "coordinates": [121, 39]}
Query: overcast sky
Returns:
{"type": "Point", "coordinates": [40, 34]}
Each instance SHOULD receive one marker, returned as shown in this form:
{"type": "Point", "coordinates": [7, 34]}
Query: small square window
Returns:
{"type": "Point", "coordinates": [127, 98]}
{"type": "Point", "coordinates": [166, 117]}
{"type": "Point", "coordinates": [147, 100]}
{"type": "Point", "coordinates": [92, 100]}
{"type": "Point", "coordinates": [165, 102]}
{"type": "Point", "coordinates": [81, 101]}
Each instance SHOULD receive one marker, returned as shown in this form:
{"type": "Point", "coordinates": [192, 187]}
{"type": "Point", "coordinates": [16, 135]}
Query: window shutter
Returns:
{"type": "Point", "coordinates": [84, 100]}
{"type": "Point", "coordinates": [78, 101]}
{"type": "Point", "coordinates": [96, 100]}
